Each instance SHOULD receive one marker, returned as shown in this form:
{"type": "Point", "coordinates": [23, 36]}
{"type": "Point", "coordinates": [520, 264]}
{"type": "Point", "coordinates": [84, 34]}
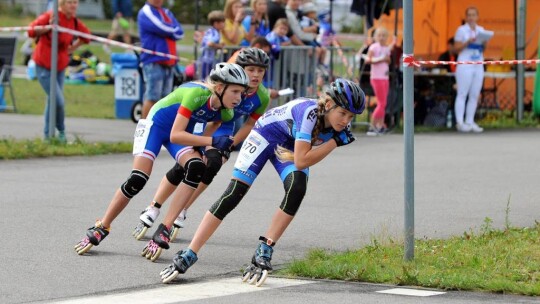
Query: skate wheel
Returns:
{"type": "Point", "coordinates": [253, 278]}
{"type": "Point", "coordinates": [144, 251]}
{"type": "Point", "coordinates": [140, 231]}
{"type": "Point", "coordinates": [83, 249]}
{"type": "Point", "coordinates": [174, 233]}
{"type": "Point", "coordinates": [167, 278]}
{"type": "Point", "coordinates": [247, 273]}
{"type": "Point", "coordinates": [262, 278]}
{"type": "Point", "coordinates": [156, 255]}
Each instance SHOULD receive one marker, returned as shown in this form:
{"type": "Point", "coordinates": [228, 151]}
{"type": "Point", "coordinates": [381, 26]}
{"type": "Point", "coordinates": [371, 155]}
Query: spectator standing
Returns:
{"type": "Point", "coordinates": [256, 24]}
{"type": "Point", "coordinates": [211, 42]}
{"type": "Point", "coordinates": [379, 58]}
{"type": "Point", "coordinates": [449, 55]}
{"type": "Point", "coordinates": [67, 10]}
{"type": "Point", "coordinates": [122, 21]}
{"type": "Point", "coordinates": [158, 30]}
{"type": "Point", "coordinates": [469, 77]}
{"type": "Point", "coordinates": [233, 32]}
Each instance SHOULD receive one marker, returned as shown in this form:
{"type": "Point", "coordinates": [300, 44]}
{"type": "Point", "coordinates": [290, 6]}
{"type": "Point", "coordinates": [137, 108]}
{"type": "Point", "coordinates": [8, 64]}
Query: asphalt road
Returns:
{"type": "Point", "coordinates": [353, 195]}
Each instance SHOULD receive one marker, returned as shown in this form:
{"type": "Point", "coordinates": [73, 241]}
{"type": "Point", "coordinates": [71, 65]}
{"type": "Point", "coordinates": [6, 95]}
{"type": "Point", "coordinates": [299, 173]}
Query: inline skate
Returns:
{"type": "Point", "coordinates": [178, 223]}
{"type": "Point", "coordinates": [148, 216]}
{"type": "Point", "coordinates": [94, 235]}
{"type": "Point", "coordinates": [181, 262]}
{"type": "Point", "coordinates": [159, 241]}
{"type": "Point", "coordinates": [260, 267]}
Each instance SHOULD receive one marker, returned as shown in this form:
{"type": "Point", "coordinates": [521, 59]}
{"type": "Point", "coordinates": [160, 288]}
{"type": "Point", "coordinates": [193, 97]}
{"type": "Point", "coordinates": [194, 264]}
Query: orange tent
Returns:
{"type": "Point", "coordinates": [435, 21]}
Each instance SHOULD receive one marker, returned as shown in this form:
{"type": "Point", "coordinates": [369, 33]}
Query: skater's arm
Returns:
{"type": "Point", "coordinates": [180, 136]}
{"type": "Point", "coordinates": [305, 156]}
{"type": "Point", "coordinates": [244, 131]}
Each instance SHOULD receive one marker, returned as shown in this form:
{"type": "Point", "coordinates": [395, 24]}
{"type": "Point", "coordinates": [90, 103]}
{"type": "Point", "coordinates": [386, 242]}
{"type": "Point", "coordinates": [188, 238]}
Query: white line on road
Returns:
{"type": "Point", "coordinates": [411, 292]}
{"type": "Point", "coordinates": [187, 292]}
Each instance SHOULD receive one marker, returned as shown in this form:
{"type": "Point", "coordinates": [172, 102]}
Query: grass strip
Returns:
{"type": "Point", "coordinates": [501, 261]}
{"type": "Point", "coordinates": [36, 148]}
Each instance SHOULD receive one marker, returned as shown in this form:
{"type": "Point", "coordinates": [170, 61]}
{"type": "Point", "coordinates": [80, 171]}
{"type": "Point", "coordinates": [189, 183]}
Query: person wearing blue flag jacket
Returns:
{"type": "Point", "coordinates": [158, 30]}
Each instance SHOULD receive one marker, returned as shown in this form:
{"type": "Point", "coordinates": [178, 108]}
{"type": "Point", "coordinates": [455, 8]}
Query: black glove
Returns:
{"type": "Point", "coordinates": [226, 153]}
{"type": "Point", "coordinates": [344, 137]}
{"type": "Point", "coordinates": [222, 142]}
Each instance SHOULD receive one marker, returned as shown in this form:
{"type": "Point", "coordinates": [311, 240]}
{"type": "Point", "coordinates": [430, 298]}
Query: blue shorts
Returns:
{"type": "Point", "coordinates": [158, 81]}
{"type": "Point", "coordinates": [157, 137]}
{"type": "Point", "coordinates": [255, 166]}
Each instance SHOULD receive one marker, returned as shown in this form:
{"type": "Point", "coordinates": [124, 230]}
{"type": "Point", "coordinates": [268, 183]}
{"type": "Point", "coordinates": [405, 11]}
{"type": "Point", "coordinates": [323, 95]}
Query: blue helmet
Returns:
{"type": "Point", "coordinates": [347, 95]}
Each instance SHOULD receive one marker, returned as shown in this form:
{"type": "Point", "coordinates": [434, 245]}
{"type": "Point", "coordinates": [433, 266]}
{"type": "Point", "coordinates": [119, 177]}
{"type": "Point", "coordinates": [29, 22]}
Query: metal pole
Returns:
{"type": "Point", "coordinates": [520, 53]}
{"type": "Point", "coordinates": [54, 72]}
{"type": "Point", "coordinates": [408, 130]}
{"type": "Point", "coordinates": [331, 49]}
{"type": "Point", "coordinates": [195, 44]}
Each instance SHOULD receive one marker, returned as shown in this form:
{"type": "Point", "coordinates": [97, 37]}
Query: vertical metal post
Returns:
{"type": "Point", "coordinates": [54, 72]}
{"type": "Point", "coordinates": [331, 66]}
{"type": "Point", "coordinates": [520, 16]}
{"type": "Point", "coordinates": [196, 44]}
{"type": "Point", "coordinates": [408, 130]}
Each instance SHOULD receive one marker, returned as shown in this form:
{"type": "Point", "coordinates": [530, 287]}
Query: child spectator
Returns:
{"type": "Point", "coordinates": [210, 42]}
{"type": "Point", "coordinates": [379, 58]}
{"type": "Point", "coordinates": [278, 36]}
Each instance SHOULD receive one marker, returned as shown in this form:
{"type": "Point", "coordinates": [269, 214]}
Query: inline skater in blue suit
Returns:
{"type": "Point", "coordinates": [170, 124]}
{"type": "Point", "coordinates": [293, 137]}
{"type": "Point", "coordinates": [255, 62]}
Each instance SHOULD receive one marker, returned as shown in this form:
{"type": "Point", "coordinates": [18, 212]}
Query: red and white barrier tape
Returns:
{"type": "Point", "coordinates": [95, 38]}
{"type": "Point", "coordinates": [409, 61]}
{"type": "Point", "coordinates": [24, 28]}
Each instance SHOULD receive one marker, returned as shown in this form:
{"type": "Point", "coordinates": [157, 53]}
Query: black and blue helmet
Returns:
{"type": "Point", "coordinates": [347, 95]}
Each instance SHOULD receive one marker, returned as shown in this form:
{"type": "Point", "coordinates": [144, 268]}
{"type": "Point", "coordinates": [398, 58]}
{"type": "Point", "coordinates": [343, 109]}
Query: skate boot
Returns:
{"type": "Point", "coordinates": [260, 266]}
{"type": "Point", "coordinates": [160, 240]}
{"type": "Point", "coordinates": [94, 236]}
{"type": "Point", "coordinates": [178, 223]}
{"type": "Point", "coordinates": [148, 216]}
{"type": "Point", "coordinates": [181, 262]}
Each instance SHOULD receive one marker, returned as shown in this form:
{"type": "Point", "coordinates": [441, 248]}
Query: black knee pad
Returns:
{"type": "Point", "coordinates": [213, 165]}
{"type": "Point", "coordinates": [135, 183]}
{"type": "Point", "coordinates": [194, 171]}
{"type": "Point", "coordinates": [176, 174]}
{"type": "Point", "coordinates": [229, 199]}
{"type": "Point", "coordinates": [295, 185]}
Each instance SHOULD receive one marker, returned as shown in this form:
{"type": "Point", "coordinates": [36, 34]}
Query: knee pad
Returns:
{"type": "Point", "coordinates": [194, 171]}
{"type": "Point", "coordinates": [176, 174]}
{"type": "Point", "coordinates": [229, 199]}
{"type": "Point", "coordinates": [135, 183]}
{"type": "Point", "coordinates": [213, 165]}
{"type": "Point", "coordinates": [295, 185]}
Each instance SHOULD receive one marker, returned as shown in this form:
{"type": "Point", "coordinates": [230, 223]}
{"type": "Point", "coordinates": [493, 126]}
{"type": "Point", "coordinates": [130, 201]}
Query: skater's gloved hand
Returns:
{"type": "Point", "coordinates": [226, 153]}
{"type": "Point", "coordinates": [222, 142]}
{"type": "Point", "coordinates": [344, 137]}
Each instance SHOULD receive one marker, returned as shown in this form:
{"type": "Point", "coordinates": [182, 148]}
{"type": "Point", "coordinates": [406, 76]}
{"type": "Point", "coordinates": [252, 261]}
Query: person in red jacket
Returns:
{"type": "Point", "coordinates": [67, 43]}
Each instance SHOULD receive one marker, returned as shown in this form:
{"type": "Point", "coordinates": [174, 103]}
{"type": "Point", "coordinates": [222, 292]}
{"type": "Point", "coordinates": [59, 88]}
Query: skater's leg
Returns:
{"type": "Point", "coordinates": [295, 185]}
{"type": "Point", "coordinates": [131, 187]}
{"type": "Point", "coordinates": [194, 168]}
{"type": "Point", "coordinates": [207, 227]}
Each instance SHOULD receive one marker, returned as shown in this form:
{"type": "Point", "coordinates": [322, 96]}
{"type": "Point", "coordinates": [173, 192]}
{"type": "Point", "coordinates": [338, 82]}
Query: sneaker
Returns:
{"type": "Point", "coordinates": [376, 132]}
{"type": "Point", "coordinates": [464, 128]}
{"type": "Point", "coordinates": [372, 132]}
{"type": "Point", "coordinates": [476, 128]}
{"type": "Point", "coordinates": [62, 137]}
